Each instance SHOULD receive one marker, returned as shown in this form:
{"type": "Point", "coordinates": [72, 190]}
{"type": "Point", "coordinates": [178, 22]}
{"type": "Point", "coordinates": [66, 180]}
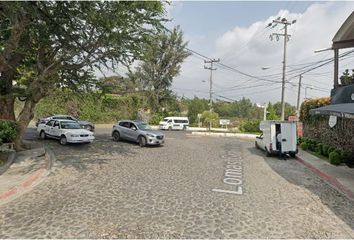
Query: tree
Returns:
{"type": "Point", "coordinates": [289, 109]}
{"type": "Point", "coordinates": [196, 106]}
{"type": "Point", "coordinates": [52, 44]}
{"type": "Point", "coordinates": [116, 85]}
{"type": "Point", "coordinates": [272, 112]}
{"type": "Point", "coordinates": [162, 63]}
{"type": "Point", "coordinates": [346, 78]}
{"type": "Point", "coordinates": [209, 116]}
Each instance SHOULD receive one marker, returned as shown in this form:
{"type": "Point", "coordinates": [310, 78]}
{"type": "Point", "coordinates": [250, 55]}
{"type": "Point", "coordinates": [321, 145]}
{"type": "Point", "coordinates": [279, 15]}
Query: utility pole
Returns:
{"type": "Point", "coordinates": [265, 112]}
{"type": "Point", "coordinates": [298, 99]}
{"type": "Point", "coordinates": [286, 39]}
{"type": "Point", "coordinates": [211, 84]}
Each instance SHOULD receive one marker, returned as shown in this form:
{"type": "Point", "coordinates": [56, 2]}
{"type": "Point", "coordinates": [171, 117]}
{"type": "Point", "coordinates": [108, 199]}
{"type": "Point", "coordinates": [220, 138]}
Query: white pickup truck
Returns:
{"type": "Point", "coordinates": [66, 131]}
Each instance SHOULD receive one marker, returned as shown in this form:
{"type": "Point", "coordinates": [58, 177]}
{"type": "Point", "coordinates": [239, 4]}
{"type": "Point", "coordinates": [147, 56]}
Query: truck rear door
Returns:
{"type": "Point", "coordinates": [288, 133]}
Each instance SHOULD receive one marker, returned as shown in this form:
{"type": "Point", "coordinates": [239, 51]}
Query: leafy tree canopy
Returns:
{"type": "Point", "coordinates": [49, 44]}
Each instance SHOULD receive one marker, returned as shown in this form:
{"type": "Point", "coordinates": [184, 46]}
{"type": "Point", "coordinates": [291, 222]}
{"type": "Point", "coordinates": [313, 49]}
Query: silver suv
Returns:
{"type": "Point", "coordinates": [137, 131]}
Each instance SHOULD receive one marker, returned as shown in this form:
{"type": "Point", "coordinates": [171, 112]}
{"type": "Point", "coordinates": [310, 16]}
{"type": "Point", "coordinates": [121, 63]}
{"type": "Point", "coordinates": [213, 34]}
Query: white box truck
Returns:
{"type": "Point", "coordinates": [268, 140]}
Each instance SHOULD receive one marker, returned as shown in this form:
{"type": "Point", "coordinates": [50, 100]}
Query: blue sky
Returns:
{"type": "Point", "coordinates": [235, 32]}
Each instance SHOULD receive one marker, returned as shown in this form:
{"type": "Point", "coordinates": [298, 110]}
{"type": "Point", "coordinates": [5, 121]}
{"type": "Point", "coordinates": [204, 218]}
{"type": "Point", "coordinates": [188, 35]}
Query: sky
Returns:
{"type": "Point", "coordinates": [237, 34]}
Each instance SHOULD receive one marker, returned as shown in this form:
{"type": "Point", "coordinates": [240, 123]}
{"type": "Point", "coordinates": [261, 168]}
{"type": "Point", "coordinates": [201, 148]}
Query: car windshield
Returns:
{"type": "Point", "coordinates": [144, 126]}
{"type": "Point", "coordinates": [70, 125]}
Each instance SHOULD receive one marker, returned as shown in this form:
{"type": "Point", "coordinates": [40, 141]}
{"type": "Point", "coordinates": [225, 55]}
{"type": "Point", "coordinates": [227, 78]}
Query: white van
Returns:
{"type": "Point", "coordinates": [174, 123]}
{"type": "Point", "coordinates": [268, 140]}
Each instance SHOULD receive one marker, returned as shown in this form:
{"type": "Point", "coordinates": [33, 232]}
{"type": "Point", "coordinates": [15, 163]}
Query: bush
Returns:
{"type": "Point", "coordinates": [325, 150]}
{"type": "Point", "coordinates": [8, 131]}
{"type": "Point", "coordinates": [346, 157]}
{"type": "Point", "coordinates": [212, 117]}
{"type": "Point", "coordinates": [304, 146]}
{"type": "Point", "coordinates": [319, 148]}
{"type": "Point", "coordinates": [335, 158]}
{"type": "Point", "coordinates": [250, 126]}
{"type": "Point", "coordinates": [312, 145]}
{"type": "Point", "coordinates": [330, 149]}
{"type": "Point", "coordinates": [156, 118]}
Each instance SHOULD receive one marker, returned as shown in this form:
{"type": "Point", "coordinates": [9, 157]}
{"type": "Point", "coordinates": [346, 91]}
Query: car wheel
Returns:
{"type": "Point", "coordinates": [116, 136]}
{"type": "Point", "coordinates": [42, 135]}
{"type": "Point", "coordinates": [63, 140]}
{"type": "Point", "coordinates": [142, 141]}
{"type": "Point", "coordinates": [292, 154]}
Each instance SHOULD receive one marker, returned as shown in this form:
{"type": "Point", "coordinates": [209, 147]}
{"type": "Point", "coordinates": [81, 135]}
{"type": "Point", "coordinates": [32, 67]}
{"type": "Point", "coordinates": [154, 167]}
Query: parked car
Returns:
{"type": "Point", "coordinates": [268, 140]}
{"type": "Point", "coordinates": [137, 131]}
{"type": "Point", "coordinates": [174, 123]}
{"type": "Point", "coordinates": [84, 124]}
{"type": "Point", "coordinates": [67, 131]}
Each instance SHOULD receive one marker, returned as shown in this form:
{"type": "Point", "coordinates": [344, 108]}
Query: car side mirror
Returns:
{"type": "Point", "coordinates": [134, 128]}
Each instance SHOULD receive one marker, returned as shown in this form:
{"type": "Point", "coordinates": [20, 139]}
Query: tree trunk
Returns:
{"type": "Point", "coordinates": [7, 107]}
{"type": "Point", "coordinates": [23, 120]}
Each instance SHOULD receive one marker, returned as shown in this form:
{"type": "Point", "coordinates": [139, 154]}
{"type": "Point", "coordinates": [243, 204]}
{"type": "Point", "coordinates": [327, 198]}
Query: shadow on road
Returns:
{"type": "Point", "coordinates": [84, 156]}
{"type": "Point", "coordinates": [295, 173]}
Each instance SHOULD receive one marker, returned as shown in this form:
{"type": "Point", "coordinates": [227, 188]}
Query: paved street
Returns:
{"type": "Point", "coordinates": [108, 189]}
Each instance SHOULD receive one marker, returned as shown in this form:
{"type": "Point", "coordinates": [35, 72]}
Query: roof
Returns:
{"type": "Point", "coordinates": [344, 110]}
{"type": "Point", "coordinates": [344, 38]}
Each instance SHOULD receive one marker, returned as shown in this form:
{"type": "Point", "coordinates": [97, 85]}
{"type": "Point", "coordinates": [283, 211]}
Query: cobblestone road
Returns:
{"type": "Point", "coordinates": [107, 189]}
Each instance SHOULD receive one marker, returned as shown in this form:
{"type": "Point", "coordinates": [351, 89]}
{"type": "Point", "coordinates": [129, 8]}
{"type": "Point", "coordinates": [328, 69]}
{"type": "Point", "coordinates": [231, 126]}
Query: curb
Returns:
{"type": "Point", "coordinates": [34, 179]}
{"type": "Point", "coordinates": [10, 160]}
{"type": "Point", "coordinates": [328, 178]}
{"type": "Point", "coordinates": [236, 135]}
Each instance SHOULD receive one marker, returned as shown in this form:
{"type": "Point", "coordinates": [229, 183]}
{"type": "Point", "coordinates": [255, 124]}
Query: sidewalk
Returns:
{"type": "Point", "coordinates": [28, 169]}
{"type": "Point", "coordinates": [340, 177]}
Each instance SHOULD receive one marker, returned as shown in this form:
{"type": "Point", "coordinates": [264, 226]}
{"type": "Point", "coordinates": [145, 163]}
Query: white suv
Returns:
{"type": "Point", "coordinates": [66, 131]}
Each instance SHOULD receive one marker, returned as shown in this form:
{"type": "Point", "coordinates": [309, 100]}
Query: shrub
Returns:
{"type": "Point", "coordinates": [312, 145]}
{"type": "Point", "coordinates": [250, 126]}
{"type": "Point", "coordinates": [212, 117]}
{"type": "Point", "coordinates": [304, 146]}
{"type": "Point", "coordinates": [325, 150]}
{"type": "Point", "coordinates": [335, 158]}
{"type": "Point", "coordinates": [8, 131]}
{"type": "Point", "coordinates": [304, 139]}
{"type": "Point", "coordinates": [156, 118]}
{"type": "Point", "coordinates": [330, 149]}
{"type": "Point", "coordinates": [346, 156]}
{"type": "Point", "coordinates": [319, 148]}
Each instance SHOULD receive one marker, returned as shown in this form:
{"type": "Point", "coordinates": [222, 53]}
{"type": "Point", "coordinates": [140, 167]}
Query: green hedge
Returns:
{"type": "Point", "coordinates": [336, 156]}
{"type": "Point", "coordinates": [8, 131]}
{"type": "Point", "coordinates": [304, 146]}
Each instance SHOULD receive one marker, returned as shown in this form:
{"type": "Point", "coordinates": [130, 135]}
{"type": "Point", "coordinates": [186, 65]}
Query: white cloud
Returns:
{"type": "Point", "coordinates": [249, 48]}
